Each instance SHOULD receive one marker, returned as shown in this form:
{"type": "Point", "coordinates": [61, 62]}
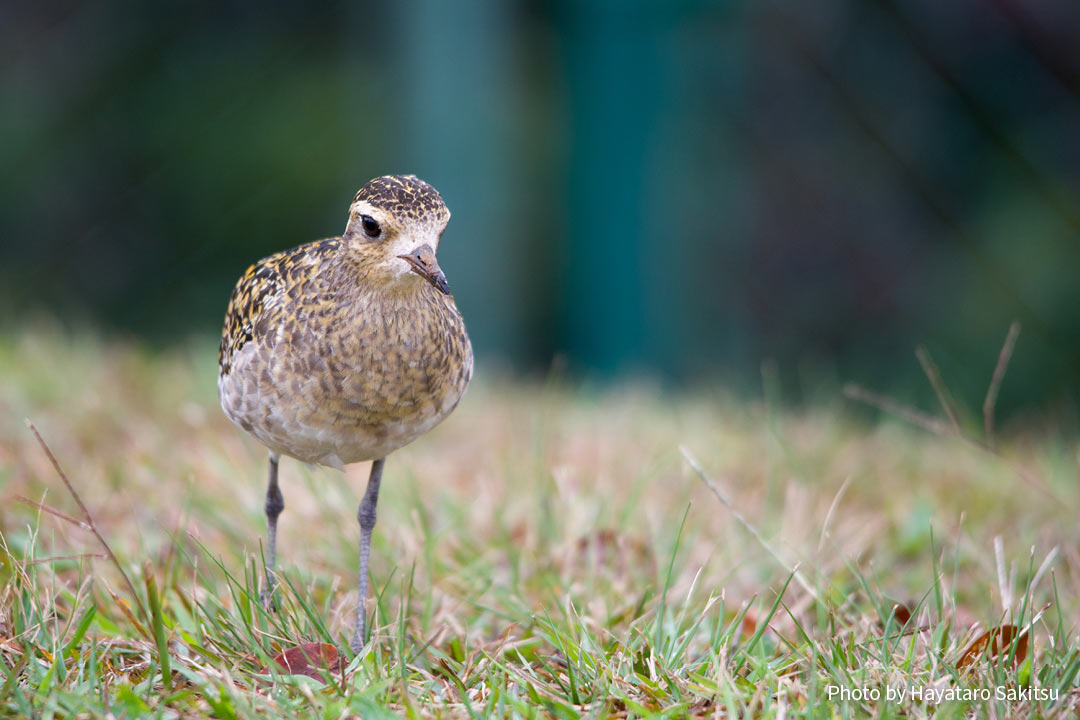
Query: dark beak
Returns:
{"type": "Point", "coordinates": [423, 264]}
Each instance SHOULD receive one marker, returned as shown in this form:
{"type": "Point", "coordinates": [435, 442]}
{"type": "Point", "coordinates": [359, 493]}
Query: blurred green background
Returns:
{"type": "Point", "coordinates": [678, 189]}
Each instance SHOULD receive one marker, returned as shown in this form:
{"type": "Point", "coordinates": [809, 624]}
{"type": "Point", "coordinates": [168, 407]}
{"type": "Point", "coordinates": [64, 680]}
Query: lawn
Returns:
{"type": "Point", "coordinates": [549, 551]}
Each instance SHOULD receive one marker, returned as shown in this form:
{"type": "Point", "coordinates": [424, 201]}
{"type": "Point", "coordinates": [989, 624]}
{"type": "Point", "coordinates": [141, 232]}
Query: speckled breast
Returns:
{"type": "Point", "coordinates": [341, 382]}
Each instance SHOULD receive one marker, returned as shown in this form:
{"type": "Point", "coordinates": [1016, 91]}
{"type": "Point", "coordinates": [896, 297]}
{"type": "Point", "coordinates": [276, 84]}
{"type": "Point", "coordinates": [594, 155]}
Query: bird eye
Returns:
{"type": "Point", "coordinates": [371, 226]}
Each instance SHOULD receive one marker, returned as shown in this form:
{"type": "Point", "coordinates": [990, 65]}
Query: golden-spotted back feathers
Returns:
{"type": "Point", "coordinates": [260, 296]}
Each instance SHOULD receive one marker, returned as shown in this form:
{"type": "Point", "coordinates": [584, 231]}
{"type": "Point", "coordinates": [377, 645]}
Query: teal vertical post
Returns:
{"type": "Point", "coordinates": [614, 72]}
{"type": "Point", "coordinates": [456, 100]}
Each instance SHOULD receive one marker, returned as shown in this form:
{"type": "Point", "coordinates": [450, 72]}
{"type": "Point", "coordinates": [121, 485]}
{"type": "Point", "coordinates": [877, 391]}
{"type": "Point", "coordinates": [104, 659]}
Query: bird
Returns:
{"type": "Point", "coordinates": [345, 349]}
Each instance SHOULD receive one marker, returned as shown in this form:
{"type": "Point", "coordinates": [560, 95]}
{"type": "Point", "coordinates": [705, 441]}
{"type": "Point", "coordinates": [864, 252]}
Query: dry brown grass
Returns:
{"type": "Point", "coordinates": [523, 550]}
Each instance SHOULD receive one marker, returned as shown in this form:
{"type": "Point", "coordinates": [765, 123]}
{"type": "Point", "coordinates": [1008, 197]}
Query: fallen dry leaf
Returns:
{"type": "Point", "coordinates": [901, 614]}
{"type": "Point", "coordinates": [313, 660]}
{"type": "Point", "coordinates": [998, 640]}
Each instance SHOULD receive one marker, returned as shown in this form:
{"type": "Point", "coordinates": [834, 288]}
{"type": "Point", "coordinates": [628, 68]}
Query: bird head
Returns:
{"type": "Point", "coordinates": [395, 223]}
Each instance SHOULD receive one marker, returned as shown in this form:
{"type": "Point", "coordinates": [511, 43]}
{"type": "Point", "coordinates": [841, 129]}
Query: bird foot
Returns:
{"type": "Point", "coordinates": [266, 597]}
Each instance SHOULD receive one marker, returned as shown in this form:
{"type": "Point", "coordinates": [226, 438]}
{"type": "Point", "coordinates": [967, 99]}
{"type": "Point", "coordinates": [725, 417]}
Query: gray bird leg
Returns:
{"type": "Point", "coordinates": [275, 503]}
{"type": "Point", "coordinates": [366, 517]}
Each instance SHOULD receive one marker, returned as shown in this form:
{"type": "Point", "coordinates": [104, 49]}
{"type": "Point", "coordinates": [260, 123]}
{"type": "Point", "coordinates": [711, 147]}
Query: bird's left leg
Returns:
{"type": "Point", "coordinates": [275, 503]}
{"type": "Point", "coordinates": [366, 517]}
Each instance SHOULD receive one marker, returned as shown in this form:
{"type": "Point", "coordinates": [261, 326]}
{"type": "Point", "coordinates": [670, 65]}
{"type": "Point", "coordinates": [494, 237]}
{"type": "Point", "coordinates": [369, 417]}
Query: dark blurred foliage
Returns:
{"type": "Point", "coordinates": [682, 187]}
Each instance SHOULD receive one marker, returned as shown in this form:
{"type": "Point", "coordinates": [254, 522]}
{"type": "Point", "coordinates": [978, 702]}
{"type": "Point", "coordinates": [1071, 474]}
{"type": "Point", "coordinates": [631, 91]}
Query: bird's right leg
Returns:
{"type": "Point", "coordinates": [366, 517]}
{"type": "Point", "coordinates": [275, 503]}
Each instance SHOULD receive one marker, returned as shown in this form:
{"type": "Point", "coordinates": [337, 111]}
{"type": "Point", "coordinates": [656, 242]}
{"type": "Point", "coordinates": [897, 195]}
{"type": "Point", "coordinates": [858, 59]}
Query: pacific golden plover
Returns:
{"type": "Point", "coordinates": [348, 348]}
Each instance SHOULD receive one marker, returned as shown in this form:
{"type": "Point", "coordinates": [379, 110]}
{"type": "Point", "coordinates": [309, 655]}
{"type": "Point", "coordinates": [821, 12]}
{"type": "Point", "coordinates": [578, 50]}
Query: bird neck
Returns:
{"type": "Point", "coordinates": [368, 280]}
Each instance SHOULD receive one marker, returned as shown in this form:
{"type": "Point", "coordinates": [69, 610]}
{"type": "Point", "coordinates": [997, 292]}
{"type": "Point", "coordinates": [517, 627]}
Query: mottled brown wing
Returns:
{"type": "Point", "coordinates": [253, 299]}
{"type": "Point", "coordinates": [261, 295]}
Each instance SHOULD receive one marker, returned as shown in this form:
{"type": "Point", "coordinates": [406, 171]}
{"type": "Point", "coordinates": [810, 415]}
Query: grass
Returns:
{"type": "Point", "coordinates": [549, 551]}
